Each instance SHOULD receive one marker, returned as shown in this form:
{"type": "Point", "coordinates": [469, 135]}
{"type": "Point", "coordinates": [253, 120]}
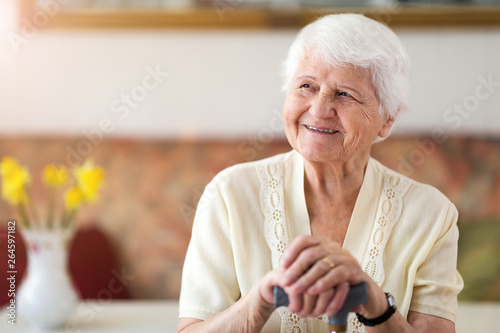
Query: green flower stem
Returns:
{"type": "Point", "coordinates": [24, 216]}
{"type": "Point", "coordinates": [33, 210]}
{"type": "Point", "coordinates": [66, 219]}
{"type": "Point", "coordinates": [50, 213]}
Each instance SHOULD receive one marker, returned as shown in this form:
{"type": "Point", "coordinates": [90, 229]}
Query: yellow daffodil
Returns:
{"type": "Point", "coordinates": [54, 176]}
{"type": "Point", "coordinates": [88, 179]}
{"type": "Point", "coordinates": [14, 195]}
{"type": "Point", "coordinates": [8, 166]}
{"type": "Point", "coordinates": [73, 199]}
{"type": "Point", "coordinates": [14, 181]}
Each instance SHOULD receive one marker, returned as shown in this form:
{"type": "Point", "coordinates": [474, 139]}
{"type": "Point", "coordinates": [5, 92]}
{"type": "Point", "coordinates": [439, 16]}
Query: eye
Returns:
{"type": "Point", "coordinates": [306, 85]}
{"type": "Point", "coordinates": [344, 94]}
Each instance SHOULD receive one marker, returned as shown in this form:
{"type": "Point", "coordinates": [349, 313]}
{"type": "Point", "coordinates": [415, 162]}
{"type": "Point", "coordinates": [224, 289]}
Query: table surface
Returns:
{"type": "Point", "coordinates": [161, 316]}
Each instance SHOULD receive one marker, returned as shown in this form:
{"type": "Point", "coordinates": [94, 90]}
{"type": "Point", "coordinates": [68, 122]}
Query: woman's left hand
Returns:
{"type": "Point", "coordinates": [317, 275]}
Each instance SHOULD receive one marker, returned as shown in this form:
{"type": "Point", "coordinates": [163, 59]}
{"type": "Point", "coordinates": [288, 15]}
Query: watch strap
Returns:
{"type": "Point", "coordinates": [383, 317]}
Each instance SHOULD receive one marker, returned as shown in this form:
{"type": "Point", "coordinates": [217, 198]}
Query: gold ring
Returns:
{"type": "Point", "coordinates": [329, 262]}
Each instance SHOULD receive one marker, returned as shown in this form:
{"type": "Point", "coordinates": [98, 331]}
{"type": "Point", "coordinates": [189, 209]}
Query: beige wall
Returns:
{"type": "Point", "coordinates": [219, 83]}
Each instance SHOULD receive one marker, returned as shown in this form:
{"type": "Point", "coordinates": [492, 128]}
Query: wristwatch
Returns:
{"type": "Point", "coordinates": [382, 318]}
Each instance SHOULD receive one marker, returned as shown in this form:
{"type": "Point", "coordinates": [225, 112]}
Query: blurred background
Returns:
{"type": "Point", "coordinates": [165, 94]}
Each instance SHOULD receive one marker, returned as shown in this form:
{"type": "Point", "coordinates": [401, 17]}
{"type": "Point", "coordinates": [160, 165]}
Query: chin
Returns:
{"type": "Point", "coordinates": [319, 154]}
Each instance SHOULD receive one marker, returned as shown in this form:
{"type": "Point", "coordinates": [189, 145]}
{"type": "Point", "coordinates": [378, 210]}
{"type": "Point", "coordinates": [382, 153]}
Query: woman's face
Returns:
{"type": "Point", "coordinates": [331, 113]}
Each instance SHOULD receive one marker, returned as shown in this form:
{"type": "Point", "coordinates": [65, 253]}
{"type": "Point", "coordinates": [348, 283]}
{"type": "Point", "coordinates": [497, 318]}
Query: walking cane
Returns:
{"type": "Point", "coordinates": [338, 323]}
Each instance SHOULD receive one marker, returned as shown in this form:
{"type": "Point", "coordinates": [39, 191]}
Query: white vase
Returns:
{"type": "Point", "coordinates": [46, 297]}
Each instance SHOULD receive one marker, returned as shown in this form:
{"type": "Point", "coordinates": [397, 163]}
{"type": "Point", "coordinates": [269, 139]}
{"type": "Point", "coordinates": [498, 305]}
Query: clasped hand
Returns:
{"type": "Point", "coordinates": [316, 274]}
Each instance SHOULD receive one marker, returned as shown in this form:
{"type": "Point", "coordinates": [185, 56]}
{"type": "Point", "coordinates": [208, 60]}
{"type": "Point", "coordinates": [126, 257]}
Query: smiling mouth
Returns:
{"type": "Point", "coordinates": [328, 131]}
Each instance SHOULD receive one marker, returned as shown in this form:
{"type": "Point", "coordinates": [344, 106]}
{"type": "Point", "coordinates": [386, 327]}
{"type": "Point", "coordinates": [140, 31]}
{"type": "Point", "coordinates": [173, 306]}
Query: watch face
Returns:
{"type": "Point", "coordinates": [392, 302]}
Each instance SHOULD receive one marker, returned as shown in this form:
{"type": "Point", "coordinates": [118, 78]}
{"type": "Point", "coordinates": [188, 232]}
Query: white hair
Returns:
{"type": "Point", "coordinates": [353, 39]}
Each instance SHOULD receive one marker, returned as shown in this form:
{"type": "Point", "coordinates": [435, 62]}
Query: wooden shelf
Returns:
{"type": "Point", "coordinates": [242, 18]}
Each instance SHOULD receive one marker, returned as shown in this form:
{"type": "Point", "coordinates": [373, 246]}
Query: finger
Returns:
{"type": "Point", "coordinates": [338, 299]}
{"type": "Point", "coordinates": [269, 280]}
{"type": "Point", "coordinates": [322, 302]}
{"type": "Point", "coordinates": [314, 273]}
{"type": "Point", "coordinates": [302, 264]}
{"type": "Point", "coordinates": [338, 274]}
{"type": "Point", "coordinates": [308, 305]}
{"type": "Point", "coordinates": [296, 247]}
{"type": "Point", "coordinates": [294, 302]}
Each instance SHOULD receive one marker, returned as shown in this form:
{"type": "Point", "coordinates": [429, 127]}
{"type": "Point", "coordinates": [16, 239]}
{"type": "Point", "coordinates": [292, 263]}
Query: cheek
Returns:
{"type": "Point", "coordinates": [368, 123]}
{"type": "Point", "coordinates": [290, 111]}
{"type": "Point", "coordinates": [287, 121]}
{"type": "Point", "coordinates": [363, 124]}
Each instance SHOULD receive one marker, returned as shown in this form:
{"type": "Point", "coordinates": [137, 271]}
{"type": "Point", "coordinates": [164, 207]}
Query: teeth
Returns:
{"type": "Point", "coordinates": [321, 130]}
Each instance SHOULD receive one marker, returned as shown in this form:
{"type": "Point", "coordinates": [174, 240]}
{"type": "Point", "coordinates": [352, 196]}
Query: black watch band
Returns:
{"type": "Point", "coordinates": [382, 318]}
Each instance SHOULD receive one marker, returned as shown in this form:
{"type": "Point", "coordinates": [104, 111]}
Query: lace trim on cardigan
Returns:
{"type": "Point", "coordinates": [388, 213]}
{"type": "Point", "coordinates": [277, 238]}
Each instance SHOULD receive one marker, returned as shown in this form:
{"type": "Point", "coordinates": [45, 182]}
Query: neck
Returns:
{"type": "Point", "coordinates": [336, 179]}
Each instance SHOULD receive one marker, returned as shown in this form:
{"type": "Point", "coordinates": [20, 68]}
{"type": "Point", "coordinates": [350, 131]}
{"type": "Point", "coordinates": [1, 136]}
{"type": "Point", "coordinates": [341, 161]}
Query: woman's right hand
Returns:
{"type": "Point", "coordinates": [248, 315]}
{"type": "Point", "coordinates": [264, 289]}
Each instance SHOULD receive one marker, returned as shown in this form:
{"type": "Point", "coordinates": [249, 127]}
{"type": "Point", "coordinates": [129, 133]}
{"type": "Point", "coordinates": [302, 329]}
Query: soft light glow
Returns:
{"type": "Point", "coordinates": [7, 14]}
{"type": "Point", "coordinates": [8, 20]}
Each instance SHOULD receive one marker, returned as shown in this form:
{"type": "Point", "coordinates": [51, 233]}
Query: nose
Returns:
{"type": "Point", "coordinates": [323, 106]}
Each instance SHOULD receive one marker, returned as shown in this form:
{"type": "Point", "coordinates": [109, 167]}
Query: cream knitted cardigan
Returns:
{"type": "Point", "coordinates": [403, 233]}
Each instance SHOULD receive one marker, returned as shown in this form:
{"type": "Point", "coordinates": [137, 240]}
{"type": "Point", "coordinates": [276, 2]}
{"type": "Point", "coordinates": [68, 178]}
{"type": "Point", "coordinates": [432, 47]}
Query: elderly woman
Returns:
{"type": "Point", "coordinates": [326, 215]}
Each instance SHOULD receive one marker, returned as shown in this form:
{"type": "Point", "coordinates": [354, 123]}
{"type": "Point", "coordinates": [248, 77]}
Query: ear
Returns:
{"type": "Point", "coordinates": [386, 128]}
